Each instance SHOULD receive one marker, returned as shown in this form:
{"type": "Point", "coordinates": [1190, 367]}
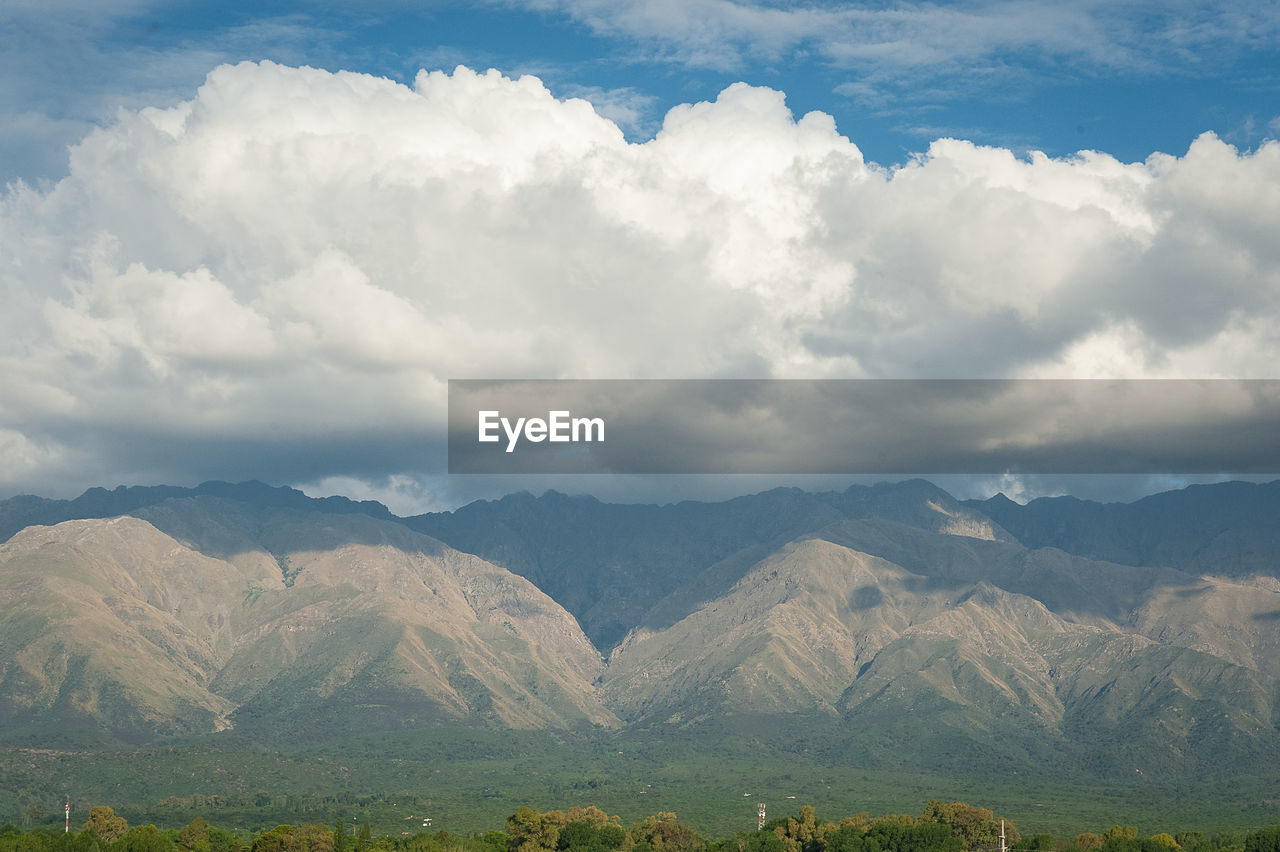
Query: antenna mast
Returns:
{"type": "Point", "coordinates": [1002, 846]}
{"type": "Point", "coordinates": [760, 823]}
{"type": "Point", "coordinates": [67, 828]}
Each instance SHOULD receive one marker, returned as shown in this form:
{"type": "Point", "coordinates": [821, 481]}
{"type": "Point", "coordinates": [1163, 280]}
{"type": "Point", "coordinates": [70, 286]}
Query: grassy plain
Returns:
{"type": "Point", "coordinates": [469, 780]}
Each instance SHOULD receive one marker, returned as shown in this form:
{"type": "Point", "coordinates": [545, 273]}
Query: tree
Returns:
{"type": "Point", "coordinates": [364, 837]}
{"type": "Point", "coordinates": [221, 840]}
{"type": "Point", "coordinates": [761, 841]}
{"type": "Point", "coordinates": [104, 824]}
{"type": "Point", "coordinates": [529, 830]}
{"type": "Point", "coordinates": [1037, 843]}
{"type": "Point", "coordinates": [494, 841]}
{"type": "Point", "coordinates": [318, 837]}
{"type": "Point", "coordinates": [849, 837]}
{"type": "Point", "coordinates": [195, 835]}
{"type": "Point", "coordinates": [800, 835]}
{"type": "Point", "coordinates": [1263, 840]}
{"type": "Point", "coordinates": [1125, 832]}
{"type": "Point", "coordinates": [282, 838]}
{"type": "Point", "coordinates": [662, 832]}
{"type": "Point", "coordinates": [578, 835]}
{"type": "Point", "coordinates": [924, 837]}
{"type": "Point", "coordinates": [976, 827]}
{"type": "Point", "coordinates": [144, 838]}
{"type": "Point", "coordinates": [340, 841]}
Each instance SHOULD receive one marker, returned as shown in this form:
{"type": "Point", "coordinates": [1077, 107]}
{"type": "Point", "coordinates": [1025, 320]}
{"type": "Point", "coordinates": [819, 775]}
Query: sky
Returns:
{"type": "Point", "coordinates": [256, 240]}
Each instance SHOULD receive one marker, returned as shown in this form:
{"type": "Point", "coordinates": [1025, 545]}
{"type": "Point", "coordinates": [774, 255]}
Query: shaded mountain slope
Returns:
{"type": "Point", "coordinates": [1231, 529]}
{"type": "Point", "coordinates": [25, 510]}
{"type": "Point", "coordinates": [612, 565]}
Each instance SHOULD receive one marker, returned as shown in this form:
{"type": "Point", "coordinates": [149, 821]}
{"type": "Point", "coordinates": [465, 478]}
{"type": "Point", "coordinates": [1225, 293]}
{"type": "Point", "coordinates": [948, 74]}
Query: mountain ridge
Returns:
{"type": "Point", "coordinates": [894, 625]}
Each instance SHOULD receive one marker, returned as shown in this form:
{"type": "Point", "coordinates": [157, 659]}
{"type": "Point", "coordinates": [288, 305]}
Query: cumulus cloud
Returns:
{"type": "Point", "coordinates": [282, 272]}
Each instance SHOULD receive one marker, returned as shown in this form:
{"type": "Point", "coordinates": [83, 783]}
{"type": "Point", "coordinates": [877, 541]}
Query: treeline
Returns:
{"type": "Point", "coordinates": [942, 827]}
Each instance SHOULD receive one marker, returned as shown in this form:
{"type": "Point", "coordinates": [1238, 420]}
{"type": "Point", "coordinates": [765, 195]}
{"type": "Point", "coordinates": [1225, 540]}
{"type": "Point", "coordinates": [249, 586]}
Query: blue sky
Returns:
{"type": "Point", "coordinates": [255, 240]}
{"type": "Point", "coordinates": [1125, 78]}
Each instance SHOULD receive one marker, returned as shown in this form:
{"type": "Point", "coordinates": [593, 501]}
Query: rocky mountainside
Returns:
{"type": "Point", "coordinates": [949, 654]}
{"type": "Point", "coordinates": [202, 613]}
{"type": "Point", "coordinates": [883, 626]}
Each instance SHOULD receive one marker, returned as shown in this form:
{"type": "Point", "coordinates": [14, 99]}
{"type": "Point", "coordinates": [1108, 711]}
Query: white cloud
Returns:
{"type": "Point", "coordinates": [285, 269]}
{"type": "Point", "coordinates": [626, 107]}
{"type": "Point", "coordinates": [898, 48]}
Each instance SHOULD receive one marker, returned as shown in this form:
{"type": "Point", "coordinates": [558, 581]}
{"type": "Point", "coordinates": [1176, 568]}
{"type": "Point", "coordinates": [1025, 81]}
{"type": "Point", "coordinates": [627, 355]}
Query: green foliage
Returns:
{"type": "Point", "coordinates": [976, 827]}
{"type": "Point", "coordinates": [850, 838]}
{"type": "Point", "coordinates": [1263, 840]}
{"type": "Point", "coordinates": [800, 835]}
{"type": "Point", "coordinates": [662, 832]}
{"type": "Point", "coordinates": [491, 841]}
{"type": "Point", "coordinates": [578, 829]}
{"type": "Point", "coordinates": [581, 836]}
{"type": "Point", "coordinates": [943, 827]}
{"type": "Point", "coordinates": [143, 838]}
{"type": "Point", "coordinates": [282, 838]}
{"type": "Point", "coordinates": [1127, 839]}
{"type": "Point", "coordinates": [221, 840]}
{"type": "Point", "coordinates": [104, 824]}
{"type": "Point", "coordinates": [194, 836]}
{"type": "Point", "coordinates": [1127, 832]}
{"type": "Point", "coordinates": [925, 837]}
{"type": "Point", "coordinates": [762, 841]}
{"type": "Point", "coordinates": [1192, 841]}
{"type": "Point", "coordinates": [529, 830]}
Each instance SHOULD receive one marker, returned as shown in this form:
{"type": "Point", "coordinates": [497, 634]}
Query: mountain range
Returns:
{"type": "Point", "coordinates": [885, 626]}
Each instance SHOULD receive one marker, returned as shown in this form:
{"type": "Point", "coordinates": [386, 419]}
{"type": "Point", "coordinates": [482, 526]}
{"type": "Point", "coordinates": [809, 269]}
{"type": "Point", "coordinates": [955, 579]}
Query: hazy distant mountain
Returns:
{"type": "Point", "coordinates": [888, 626]}
{"type": "Point", "coordinates": [19, 512]}
{"type": "Point", "coordinates": [618, 566]}
{"type": "Point", "coordinates": [1231, 529]}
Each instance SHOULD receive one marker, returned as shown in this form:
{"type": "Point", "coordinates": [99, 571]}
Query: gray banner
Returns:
{"type": "Point", "coordinates": [875, 426]}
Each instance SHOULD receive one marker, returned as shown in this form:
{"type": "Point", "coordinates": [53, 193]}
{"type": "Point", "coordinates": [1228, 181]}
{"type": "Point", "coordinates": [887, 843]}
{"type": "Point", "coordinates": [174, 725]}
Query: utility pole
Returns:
{"type": "Point", "coordinates": [1002, 846]}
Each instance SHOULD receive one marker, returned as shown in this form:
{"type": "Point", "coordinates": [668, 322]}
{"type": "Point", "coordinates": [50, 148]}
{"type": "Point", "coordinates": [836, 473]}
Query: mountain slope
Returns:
{"type": "Point", "coordinates": [1231, 529]}
{"type": "Point", "coordinates": [17, 513]}
{"type": "Point", "coordinates": [947, 669]}
{"type": "Point", "coordinates": [110, 624]}
{"type": "Point", "coordinates": [305, 624]}
{"type": "Point", "coordinates": [888, 626]}
{"type": "Point", "coordinates": [616, 567]}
